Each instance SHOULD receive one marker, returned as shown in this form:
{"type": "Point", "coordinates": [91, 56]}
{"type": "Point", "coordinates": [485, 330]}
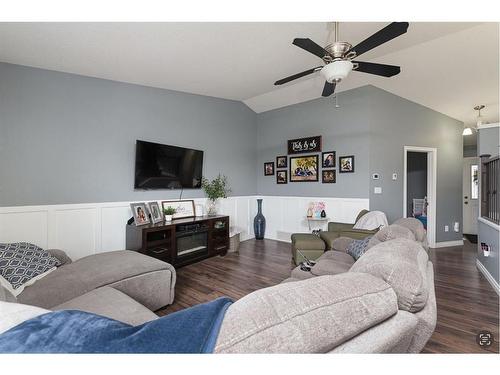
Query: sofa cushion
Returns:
{"type": "Point", "coordinates": [332, 263]}
{"type": "Point", "coordinates": [391, 233]}
{"type": "Point", "coordinates": [22, 261]}
{"type": "Point", "coordinates": [86, 274]}
{"type": "Point", "coordinates": [415, 226]}
{"type": "Point", "coordinates": [402, 264]}
{"type": "Point", "coordinates": [61, 256]}
{"type": "Point", "coordinates": [6, 295]}
{"type": "Point", "coordinates": [12, 314]}
{"type": "Point", "coordinates": [341, 243]}
{"type": "Point", "coordinates": [308, 316]}
{"type": "Point", "coordinates": [307, 241]}
{"type": "Point", "coordinates": [110, 303]}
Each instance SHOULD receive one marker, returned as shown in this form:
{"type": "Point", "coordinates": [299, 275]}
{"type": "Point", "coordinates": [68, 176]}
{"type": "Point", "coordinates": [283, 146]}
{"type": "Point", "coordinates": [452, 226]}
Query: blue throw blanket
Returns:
{"type": "Point", "coordinates": [193, 330]}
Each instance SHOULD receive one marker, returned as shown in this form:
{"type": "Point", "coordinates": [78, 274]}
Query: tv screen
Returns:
{"type": "Point", "coordinates": [160, 166]}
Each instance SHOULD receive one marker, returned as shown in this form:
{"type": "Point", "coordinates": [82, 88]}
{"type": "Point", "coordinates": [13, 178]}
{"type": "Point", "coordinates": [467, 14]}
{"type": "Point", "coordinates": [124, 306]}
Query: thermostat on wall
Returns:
{"type": "Point", "coordinates": [375, 176]}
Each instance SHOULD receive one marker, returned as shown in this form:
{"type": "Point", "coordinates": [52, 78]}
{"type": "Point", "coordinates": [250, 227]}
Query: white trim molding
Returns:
{"type": "Point", "coordinates": [447, 244]}
{"type": "Point", "coordinates": [489, 223]}
{"type": "Point", "coordinates": [488, 276]}
{"type": "Point", "coordinates": [486, 126]}
{"type": "Point", "coordinates": [431, 188]}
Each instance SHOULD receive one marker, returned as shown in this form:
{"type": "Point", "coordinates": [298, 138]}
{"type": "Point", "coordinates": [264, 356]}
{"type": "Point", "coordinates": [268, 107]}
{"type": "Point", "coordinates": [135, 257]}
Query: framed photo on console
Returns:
{"type": "Point", "coordinates": [140, 213]}
{"type": "Point", "coordinates": [156, 213]}
{"type": "Point", "coordinates": [183, 209]}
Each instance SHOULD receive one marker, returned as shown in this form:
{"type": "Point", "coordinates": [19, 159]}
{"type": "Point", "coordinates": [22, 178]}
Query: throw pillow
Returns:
{"type": "Point", "coordinates": [21, 262]}
{"type": "Point", "coordinates": [357, 247]}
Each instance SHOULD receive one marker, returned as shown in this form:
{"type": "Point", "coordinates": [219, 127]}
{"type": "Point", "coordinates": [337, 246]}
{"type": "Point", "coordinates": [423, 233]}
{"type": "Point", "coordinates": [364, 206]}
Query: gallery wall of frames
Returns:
{"type": "Point", "coordinates": [298, 167]}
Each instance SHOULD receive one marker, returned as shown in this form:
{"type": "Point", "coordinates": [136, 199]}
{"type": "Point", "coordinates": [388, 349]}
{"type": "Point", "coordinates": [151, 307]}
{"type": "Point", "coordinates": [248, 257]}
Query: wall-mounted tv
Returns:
{"type": "Point", "coordinates": [160, 166]}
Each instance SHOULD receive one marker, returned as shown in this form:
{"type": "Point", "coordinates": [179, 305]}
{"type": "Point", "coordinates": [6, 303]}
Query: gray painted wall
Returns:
{"type": "Point", "coordinates": [397, 122]}
{"type": "Point", "coordinates": [488, 143]}
{"type": "Point", "coordinates": [71, 139]}
{"type": "Point", "coordinates": [470, 151]}
{"type": "Point", "coordinates": [417, 178]}
{"type": "Point", "coordinates": [345, 130]}
{"type": "Point", "coordinates": [373, 125]}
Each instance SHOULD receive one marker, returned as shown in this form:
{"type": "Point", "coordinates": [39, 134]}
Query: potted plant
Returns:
{"type": "Point", "coordinates": [169, 212]}
{"type": "Point", "coordinates": [215, 189]}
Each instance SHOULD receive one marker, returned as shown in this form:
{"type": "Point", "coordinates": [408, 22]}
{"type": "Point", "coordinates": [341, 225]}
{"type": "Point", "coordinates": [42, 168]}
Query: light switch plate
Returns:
{"type": "Point", "coordinates": [377, 190]}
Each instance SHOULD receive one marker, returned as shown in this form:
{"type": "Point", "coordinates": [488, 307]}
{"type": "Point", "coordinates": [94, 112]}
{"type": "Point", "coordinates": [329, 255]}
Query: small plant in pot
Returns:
{"type": "Point", "coordinates": [169, 212]}
{"type": "Point", "coordinates": [215, 189]}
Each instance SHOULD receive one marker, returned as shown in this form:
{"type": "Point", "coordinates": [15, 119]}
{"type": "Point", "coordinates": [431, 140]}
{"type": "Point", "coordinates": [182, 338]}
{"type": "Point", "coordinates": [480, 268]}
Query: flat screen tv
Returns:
{"type": "Point", "coordinates": [160, 166]}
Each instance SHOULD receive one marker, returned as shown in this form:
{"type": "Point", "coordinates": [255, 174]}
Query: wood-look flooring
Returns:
{"type": "Point", "coordinates": [466, 302]}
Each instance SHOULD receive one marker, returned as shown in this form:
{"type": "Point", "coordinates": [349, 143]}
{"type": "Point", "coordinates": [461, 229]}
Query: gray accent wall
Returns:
{"type": "Point", "coordinates": [374, 126]}
{"type": "Point", "coordinates": [71, 139]}
{"type": "Point", "coordinates": [397, 122]}
{"type": "Point", "coordinates": [66, 138]}
{"type": "Point", "coordinates": [489, 143]}
{"type": "Point", "coordinates": [345, 130]}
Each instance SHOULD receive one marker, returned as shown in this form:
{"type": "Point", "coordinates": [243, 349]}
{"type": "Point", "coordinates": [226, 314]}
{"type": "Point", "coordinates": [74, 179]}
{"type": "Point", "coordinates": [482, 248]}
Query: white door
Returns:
{"type": "Point", "coordinates": [470, 195]}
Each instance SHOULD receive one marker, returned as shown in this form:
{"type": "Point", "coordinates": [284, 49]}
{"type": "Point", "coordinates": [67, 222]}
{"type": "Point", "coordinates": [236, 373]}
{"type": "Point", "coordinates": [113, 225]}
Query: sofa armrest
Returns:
{"type": "Point", "coordinates": [357, 234]}
{"type": "Point", "coordinates": [308, 316]}
{"type": "Point", "coordinates": [338, 227]}
{"type": "Point", "coordinates": [60, 255]}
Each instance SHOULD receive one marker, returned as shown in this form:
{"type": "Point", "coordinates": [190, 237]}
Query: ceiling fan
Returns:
{"type": "Point", "coordinates": [338, 57]}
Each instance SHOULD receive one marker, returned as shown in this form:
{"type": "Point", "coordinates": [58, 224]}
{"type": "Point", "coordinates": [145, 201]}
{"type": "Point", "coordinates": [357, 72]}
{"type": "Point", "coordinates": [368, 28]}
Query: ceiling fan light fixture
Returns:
{"type": "Point", "coordinates": [467, 131]}
{"type": "Point", "coordinates": [337, 70]}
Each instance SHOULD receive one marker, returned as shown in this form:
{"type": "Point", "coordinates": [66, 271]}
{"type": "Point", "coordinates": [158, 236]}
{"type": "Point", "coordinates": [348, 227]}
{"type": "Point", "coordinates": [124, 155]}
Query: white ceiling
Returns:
{"type": "Point", "coordinates": [450, 67]}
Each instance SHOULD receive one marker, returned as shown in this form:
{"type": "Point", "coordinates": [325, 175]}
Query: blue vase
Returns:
{"type": "Point", "coordinates": [259, 222]}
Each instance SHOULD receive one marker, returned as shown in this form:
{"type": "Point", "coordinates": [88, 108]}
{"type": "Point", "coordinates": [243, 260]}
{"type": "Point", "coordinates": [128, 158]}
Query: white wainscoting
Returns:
{"type": "Point", "coordinates": [287, 215]}
{"type": "Point", "coordinates": [85, 229]}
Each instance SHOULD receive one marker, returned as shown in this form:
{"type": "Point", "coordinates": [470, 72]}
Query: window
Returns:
{"type": "Point", "coordinates": [490, 202]}
{"type": "Point", "coordinates": [474, 183]}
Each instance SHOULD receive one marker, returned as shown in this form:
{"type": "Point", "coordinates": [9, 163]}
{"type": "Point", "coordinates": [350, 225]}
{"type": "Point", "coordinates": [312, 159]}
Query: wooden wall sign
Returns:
{"type": "Point", "coordinates": [301, 145]}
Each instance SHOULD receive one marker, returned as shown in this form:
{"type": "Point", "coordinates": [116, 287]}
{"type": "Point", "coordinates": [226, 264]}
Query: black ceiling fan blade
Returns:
{"type": "Point", "coordinates": [389, 32]}
{"type": "Point", "coordinates": [298, 75]}
{"type": "Point", "coordinates": [378, 69]}
{"type": "Point", "coordinates": [329, 89]}
{"type": "Point", "coordinates": [308, 45]}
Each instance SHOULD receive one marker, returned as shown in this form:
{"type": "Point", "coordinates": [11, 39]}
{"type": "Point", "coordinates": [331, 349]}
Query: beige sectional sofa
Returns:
{"type": "Point", "coordinates": [123, 285]}
{"type": "Point", "coordinates": [382, 303]}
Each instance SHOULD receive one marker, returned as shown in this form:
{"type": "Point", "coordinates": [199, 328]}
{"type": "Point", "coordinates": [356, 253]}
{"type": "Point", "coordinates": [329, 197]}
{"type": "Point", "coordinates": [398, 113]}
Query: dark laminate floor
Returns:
{"type": "Point", "coordinates": [466, 302]}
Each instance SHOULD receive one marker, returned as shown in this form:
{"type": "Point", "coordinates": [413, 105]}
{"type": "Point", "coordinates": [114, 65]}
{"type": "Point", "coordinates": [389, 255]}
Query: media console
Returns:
{"type": "Point", "coordinates": [181, 241]}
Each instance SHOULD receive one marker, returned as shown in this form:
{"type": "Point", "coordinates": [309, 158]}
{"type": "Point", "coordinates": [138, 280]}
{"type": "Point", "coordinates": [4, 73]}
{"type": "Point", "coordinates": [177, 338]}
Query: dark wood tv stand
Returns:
{"type": "Point", "coordinates": [181, 241]}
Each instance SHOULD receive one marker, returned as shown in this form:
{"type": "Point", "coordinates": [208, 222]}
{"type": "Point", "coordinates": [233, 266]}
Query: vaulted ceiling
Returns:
{"type": "Point", "coordinates": [449, 67]}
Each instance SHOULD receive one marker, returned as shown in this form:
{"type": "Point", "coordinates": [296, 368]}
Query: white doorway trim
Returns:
{"type": "Point", "coordinates": [431, 187]}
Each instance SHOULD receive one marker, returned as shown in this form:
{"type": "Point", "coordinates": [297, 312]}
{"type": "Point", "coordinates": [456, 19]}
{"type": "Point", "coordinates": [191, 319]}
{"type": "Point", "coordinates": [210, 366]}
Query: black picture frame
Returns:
{"type": "Point", "coordinates": [269, 164]}
{"type": "Point", "coordinates": [342, 165]}
{"type": "Point", "coordinates": [294, 178]}
{"type": "Point", "coordinates": [328, 180]}
{"type": "Point", "coordinates": [284, 179]}
{"type": "Point", "coordinates": [281, 158]}
{"type": "Point", "coordinates": [304, 145]}
{"type": "Point", "coordinates": [330, 165]}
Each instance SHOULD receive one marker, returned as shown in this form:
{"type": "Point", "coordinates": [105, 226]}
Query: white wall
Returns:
{"type": "Point", "coordinates": [85, 229]}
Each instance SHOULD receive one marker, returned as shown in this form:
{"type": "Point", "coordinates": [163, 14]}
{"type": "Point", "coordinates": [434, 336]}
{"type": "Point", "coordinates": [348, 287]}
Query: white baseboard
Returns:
{"type": "Point", "coordinates": [448, 244]}
{"type": "Point", "coordinates": [488, 276]}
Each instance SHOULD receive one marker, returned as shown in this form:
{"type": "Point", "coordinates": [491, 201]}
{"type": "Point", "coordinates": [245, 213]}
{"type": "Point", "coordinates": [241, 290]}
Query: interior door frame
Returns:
{"type": "Point", "coordinates": [431, 187]}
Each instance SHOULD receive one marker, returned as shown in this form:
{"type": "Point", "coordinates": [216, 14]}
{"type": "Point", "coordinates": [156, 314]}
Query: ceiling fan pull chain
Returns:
{"type": "Point", "coordinates": [337, 101]}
